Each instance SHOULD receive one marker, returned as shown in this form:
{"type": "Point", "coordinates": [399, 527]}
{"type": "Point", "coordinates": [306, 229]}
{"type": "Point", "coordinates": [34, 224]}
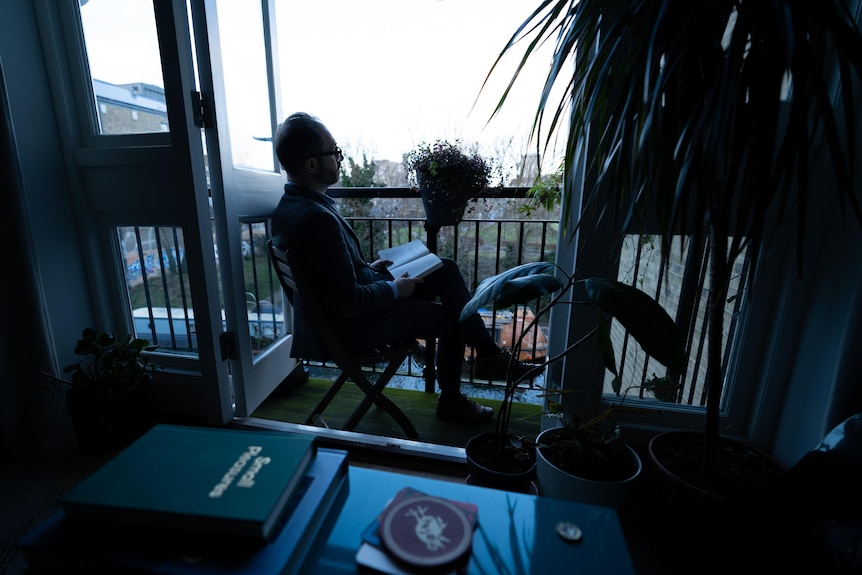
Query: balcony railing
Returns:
{"type": "Point", "coordinates": [495, 235]}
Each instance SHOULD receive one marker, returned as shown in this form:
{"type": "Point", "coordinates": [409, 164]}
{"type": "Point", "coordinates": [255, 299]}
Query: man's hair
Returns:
{"type": "Point", "coordinates": [295, 139]}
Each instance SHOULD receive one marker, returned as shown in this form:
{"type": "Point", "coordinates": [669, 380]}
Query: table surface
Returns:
{"type": "Point", "coordinates": [516, 532]}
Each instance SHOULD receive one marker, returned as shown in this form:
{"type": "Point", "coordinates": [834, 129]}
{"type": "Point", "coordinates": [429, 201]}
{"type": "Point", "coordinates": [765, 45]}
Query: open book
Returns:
{"type": "Point", "coordinates": [413, 258]}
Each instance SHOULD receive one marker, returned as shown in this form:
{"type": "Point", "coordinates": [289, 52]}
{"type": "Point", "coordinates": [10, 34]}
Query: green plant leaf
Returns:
{"type": "Point", "coordinates": [606, 347]}
{"type": "Point", "coordinates": [644, 319]}
{"type": "Point", "coordinates": [526, 288]}
{"type": "Point", "coordinates": [492, 288]}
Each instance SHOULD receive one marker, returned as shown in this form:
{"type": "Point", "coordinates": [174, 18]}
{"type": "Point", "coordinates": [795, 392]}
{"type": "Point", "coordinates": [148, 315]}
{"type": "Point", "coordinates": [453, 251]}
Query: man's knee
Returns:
{"type": "Point", "coordinates": [450, 267]}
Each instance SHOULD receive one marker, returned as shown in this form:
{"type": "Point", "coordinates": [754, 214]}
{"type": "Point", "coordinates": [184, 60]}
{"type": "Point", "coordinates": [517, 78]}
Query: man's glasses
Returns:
{"type": "Point", "coordinates": [336, 152]}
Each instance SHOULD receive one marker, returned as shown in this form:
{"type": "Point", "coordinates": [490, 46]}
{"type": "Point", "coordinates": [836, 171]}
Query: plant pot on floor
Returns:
{"type": "Point", "coordinates": [508, 464]}
{"type": "Point", "coordinates": [107, 422]}
{"type": "Point", "coordinates": [675, 457]}
{"type": "Point", "coordinates": [694, 518]}
{"type": "Point", "coordinates": [614, 491]}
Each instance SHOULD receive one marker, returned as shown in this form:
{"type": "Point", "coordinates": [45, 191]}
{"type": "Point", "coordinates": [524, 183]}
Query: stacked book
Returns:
{"type": "Point", "coordinates": [196, 500]}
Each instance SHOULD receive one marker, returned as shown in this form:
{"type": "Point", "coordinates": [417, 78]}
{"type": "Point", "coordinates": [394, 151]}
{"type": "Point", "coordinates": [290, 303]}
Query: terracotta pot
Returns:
{"type": "Point", "coordinates": [554, 482]}
{"type": "Point", "coordinates": [484, 475]}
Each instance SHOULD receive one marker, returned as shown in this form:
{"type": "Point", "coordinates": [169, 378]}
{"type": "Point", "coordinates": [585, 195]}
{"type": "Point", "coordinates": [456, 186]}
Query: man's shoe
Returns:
{"type": "Point", "coordinates": [463, 409]}
{"type": "Point", "coordinates": [496, 368]}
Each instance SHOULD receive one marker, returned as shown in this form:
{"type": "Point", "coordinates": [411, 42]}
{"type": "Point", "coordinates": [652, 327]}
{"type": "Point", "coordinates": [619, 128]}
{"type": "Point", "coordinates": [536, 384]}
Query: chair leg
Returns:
{"type": "Point", "coordinates": [327, 398]}
{"type": "Point", "coordinates": [374, 394]}
{"type": "Point", "coordinates": [429, 372]}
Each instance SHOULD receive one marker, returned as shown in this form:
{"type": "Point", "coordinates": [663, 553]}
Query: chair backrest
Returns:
{"type": "Point", "coordinates": [295, 283]}
{"type": "Point", "coordinates": [282, 270]}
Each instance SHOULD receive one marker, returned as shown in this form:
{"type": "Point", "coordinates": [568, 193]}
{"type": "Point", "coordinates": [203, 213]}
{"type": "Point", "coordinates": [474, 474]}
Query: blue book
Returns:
{"type": "Point", "coordinates": [63, 544]}
{"type": "Point", "coordinates": [208, 480]}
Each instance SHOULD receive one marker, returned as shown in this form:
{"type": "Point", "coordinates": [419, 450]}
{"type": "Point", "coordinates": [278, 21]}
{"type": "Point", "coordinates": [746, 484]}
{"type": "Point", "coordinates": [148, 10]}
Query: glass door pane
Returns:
{"type": "Point", "coordinates": [243, 61]}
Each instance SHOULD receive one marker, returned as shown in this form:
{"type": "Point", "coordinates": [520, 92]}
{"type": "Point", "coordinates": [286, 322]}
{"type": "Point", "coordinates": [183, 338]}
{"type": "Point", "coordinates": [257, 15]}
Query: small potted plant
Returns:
{"type": "Point", "coordinates": [588, 446]}
{"type": "Point", "coordinates": [447, 176]}
{"type": "Point", "coordinates": [103, 389]}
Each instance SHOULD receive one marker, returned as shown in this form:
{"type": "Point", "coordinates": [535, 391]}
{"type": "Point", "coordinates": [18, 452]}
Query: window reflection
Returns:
{"type": "Point", "coordinates": [125, 68]}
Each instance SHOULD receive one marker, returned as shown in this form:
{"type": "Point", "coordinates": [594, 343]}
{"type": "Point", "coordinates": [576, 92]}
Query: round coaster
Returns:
{"type": "Point", "coordinates": [425, 531]}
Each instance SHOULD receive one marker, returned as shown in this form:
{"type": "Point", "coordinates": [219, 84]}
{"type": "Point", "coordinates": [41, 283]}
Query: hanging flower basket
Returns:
{"type": "Point", "coordinates": [447, 177]}
{"type": "Point", "coordinates": [441, 208]}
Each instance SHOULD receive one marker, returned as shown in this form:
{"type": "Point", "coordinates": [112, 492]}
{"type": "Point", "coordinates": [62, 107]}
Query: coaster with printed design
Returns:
{"type": "Point", "coordinates": [425, 531]}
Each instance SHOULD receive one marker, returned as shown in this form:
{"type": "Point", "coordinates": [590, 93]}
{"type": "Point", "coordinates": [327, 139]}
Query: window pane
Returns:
{"type": "Point", "coordinates": [158, 286]}
{"type": "Point", "coordinates": [123, 54]}
{"type": "Point", "coordinates": [246, 90]}
{"type": "Point", "coordinates": [640, 266]}
{"type": "Point", "coordinates": [157, 281]}
{"type": "Point", "coordinates": [268, 312]}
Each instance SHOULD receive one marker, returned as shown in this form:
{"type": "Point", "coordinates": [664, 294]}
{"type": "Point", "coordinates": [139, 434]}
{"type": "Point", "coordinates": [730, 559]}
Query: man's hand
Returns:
{"type": "Point", "coordinates": [381, 265]}
{"type": "Point", "coordinates": [406, 285]}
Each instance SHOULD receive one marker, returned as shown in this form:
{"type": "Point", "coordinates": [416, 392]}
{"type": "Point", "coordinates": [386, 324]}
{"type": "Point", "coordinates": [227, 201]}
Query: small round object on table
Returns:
{"type": "Point", "coordinates": [426, 531]}
{"type": "Point", "coordinates": [569, 531]}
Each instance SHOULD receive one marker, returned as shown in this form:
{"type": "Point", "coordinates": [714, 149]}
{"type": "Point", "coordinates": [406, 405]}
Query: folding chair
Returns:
{"type": "Point", "coordinates": [293, 281]}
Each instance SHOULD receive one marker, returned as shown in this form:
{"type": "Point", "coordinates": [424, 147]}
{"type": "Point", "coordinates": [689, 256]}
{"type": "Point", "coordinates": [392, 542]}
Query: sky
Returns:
{"type": "Point", "coordinates": [383, 75]}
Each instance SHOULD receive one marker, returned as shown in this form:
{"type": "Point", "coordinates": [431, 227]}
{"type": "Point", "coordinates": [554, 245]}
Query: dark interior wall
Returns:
{"type": "Point", "coordinates": [847, 400]}
{"type": "Point", "coordinates": [42, 281]}
{"type": "Point", "coordinates": [27, 411]}
{"type": "Point", "coordinates": [820, 358]}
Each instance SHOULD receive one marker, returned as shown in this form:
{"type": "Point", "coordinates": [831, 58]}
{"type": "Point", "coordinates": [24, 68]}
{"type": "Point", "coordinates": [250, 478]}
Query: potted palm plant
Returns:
{"type": "Point", "coordinates": [704, 115]}
{"type": "Point", "coordinates": [447, 175]}
{"type": "Point", "coordinates": [594, 462]}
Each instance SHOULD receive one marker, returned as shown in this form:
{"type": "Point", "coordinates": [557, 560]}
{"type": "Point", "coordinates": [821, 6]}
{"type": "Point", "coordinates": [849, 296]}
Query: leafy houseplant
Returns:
{"type": "Point", "coordinates": [109, 365]}
{"type": "Point", "coordinates": [103, 387]}
{"type": "Point", "coordinates": [591, 443]}
{"type": "Point", "coordinates": [447, 176]}
{"type": "Point", "coordinates": [705, 116]}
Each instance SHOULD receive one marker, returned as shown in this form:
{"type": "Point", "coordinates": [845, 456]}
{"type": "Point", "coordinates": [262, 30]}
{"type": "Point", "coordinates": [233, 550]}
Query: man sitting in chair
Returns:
{"type": "Point", "coordinates": [368, 307]}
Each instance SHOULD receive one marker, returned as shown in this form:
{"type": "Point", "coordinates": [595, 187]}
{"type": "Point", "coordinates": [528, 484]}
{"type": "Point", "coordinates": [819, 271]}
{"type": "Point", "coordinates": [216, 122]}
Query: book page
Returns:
{"type": "Point", "coordinates": [417, 268]}
{"type": "Point", "coordinates": [400, 255]}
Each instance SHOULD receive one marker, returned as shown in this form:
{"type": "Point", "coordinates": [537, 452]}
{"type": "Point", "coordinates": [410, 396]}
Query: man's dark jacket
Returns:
{"type": "Point", "coordinates": [348, 288]}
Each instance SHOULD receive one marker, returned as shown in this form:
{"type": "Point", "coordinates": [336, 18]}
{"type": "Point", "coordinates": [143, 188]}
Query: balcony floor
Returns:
{"type": "Point", "coordinates": [294, 405]}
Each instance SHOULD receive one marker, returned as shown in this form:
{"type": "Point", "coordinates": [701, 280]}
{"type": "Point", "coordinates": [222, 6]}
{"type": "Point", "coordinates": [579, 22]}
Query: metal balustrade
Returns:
{"type": "Point", "coordinates": [493, 236]}
{"type": "Point", "coordinates": [490, 239]}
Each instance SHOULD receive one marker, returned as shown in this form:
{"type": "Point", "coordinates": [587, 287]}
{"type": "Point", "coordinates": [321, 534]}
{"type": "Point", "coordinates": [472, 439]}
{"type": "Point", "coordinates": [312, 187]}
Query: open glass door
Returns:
{"type": "Point", "coordinates": [191, 248]}
{"type": "Point", "coordinates": [234, 43]}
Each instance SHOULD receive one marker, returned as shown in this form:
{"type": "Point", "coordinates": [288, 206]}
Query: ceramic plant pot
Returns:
{"type": "Point", "coordinates": [488, 467]}
{"type": "Point", "coordinates": [691, 516]}
{"type": "Point", "coordinates": [559, 484]}
{"type": "Point", "coordinates": [681, 450]}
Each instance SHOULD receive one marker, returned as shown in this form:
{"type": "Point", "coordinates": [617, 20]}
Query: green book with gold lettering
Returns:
{"type": "Point", "coordinates": [206, 480]}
